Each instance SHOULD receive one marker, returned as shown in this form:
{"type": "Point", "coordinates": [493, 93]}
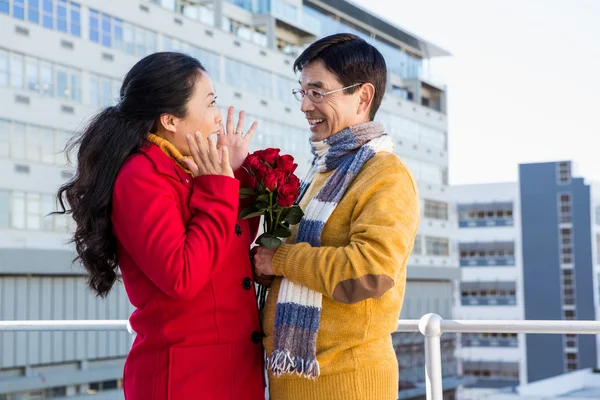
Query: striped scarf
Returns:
{"type": "Point", "coordinates": [298, 310]}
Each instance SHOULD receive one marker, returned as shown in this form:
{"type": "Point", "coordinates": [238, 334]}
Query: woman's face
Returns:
{"type": "Point", "coordinates": [202, 116]}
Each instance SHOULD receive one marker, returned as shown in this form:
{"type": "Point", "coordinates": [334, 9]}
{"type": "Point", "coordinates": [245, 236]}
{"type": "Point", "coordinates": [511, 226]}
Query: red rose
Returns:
{"type": "Point", "coordinates": [287, 194]}
{"type": "Point", "coordinates": [252, 162]}
{"type": "Point", "coordinates": [294, 181]}
{"type": "Point", "coordinates": [269, 155]}
{"type": "Point", "coordinates": [286, 164]}
{"type": "Point", "coordinates": [271, 179]}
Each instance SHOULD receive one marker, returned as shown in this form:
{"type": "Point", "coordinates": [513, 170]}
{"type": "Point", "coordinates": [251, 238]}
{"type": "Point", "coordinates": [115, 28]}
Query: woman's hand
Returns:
{"type": "Point", "coordinates": [236, 141]}
{"type": "Point", "coordinates": [207, 158]}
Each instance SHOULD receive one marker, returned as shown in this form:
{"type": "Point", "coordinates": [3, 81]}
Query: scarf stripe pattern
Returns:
{"type": "Point", "coordinates": [298, 310]}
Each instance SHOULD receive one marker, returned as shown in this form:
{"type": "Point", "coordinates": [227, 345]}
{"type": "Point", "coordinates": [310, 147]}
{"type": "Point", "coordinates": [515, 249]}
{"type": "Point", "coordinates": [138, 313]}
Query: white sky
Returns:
{"type": "Point", "coordinates": [523, 81]}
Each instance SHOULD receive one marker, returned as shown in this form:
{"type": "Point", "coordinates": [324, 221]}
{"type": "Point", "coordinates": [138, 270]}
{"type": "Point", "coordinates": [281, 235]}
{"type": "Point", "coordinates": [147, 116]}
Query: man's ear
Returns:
{"type": "Point", "coordinates": [365, 99]}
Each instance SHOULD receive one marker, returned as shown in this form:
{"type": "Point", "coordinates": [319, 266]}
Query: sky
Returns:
{"type": "Point", "coordinates": [523, 80]}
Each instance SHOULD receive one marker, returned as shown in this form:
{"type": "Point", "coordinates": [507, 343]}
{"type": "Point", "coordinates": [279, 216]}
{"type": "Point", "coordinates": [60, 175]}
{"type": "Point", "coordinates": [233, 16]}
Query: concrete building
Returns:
{"type": "Point", "coordinates": [528, 250]}
{"type": "Point", "coordinates": [578, 385]}
{"type": "Point", "coordinates": [61, 60]}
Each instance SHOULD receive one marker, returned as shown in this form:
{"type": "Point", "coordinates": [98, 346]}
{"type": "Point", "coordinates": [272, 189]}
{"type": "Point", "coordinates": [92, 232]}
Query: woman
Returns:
{"type": "Point", "coordinates": [162, 206]}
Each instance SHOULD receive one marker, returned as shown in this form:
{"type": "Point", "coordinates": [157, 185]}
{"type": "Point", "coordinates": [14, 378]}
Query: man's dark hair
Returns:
{"type": "Point", "coordinates": [352, 60]}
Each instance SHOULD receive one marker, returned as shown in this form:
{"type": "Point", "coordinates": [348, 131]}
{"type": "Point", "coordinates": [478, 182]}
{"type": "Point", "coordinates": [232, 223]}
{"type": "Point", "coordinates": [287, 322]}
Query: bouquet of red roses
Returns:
{"type": "Point", "coordinates": [274, 190]}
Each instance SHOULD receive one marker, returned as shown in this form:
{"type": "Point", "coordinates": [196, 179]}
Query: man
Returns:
{"type": "Point", "coordinates": [339, 280]}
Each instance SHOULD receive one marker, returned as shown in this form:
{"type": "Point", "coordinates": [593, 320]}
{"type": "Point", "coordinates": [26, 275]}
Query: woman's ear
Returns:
{"type": "Point", "coordinates": [169, 122]}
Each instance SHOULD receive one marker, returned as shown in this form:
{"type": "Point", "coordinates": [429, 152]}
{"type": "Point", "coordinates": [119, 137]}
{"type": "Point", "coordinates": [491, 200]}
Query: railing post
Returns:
{"type": "Point", "coordinates": [430, 326]}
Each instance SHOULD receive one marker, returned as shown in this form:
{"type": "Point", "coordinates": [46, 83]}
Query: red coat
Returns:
{"type": "Point", "coordinates": [184, 256]}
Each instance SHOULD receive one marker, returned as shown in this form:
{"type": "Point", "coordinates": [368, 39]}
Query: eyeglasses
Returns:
{"type": "Point", "coordinates": [317, 96]}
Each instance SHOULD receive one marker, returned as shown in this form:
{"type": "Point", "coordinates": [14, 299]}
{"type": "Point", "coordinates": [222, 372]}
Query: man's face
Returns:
{"type": "Point", "coordinates": [335, 111]}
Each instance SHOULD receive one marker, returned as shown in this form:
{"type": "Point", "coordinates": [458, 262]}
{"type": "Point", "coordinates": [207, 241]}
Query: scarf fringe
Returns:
{"type": "Point", "coordinates": [281, 362]}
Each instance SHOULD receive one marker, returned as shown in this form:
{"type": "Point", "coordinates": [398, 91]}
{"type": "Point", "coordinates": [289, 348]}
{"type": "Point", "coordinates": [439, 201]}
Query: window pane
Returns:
{"type": "Point", "coordinates": [4, 208]}
{"type": "Point", "coordinates": [118, 34]}
{"type": "Point", "coordinates": [61, 15]}
{"type": "Point", "coordinates": [94, 91]}
{"type": "Point", "coordinates": [17, 142]}
{"type": "Point", "coordinates": [4, 138]}
{"type": "Point", "coordinates": [3, 67]}
{"type": "Point", "coordinates": [75, 19]}
{"type": "Point", "coordinates": [34, 143]}
{"type": "Point", "coordinates": [33, 11]}
{"type": "Point", "coordinates": [106, 31]}
{"type": "Point", "coordinates": [48, 14]}
{"type": "Point", "coordinates": [94, 26]}
{"type": "Point", "coordinates": [32, 75]}
{"type": "Point", "coordinates": [33, 211]}
{"type": "Point", "coordinates": [3, 6]}
{"type": "Point", "coordinates": [19, 9]}
{"type": "Point", "coordinates": [18, 210]}
{"type": "Point", "coordinates": [128, 38]}
{"type": "Point", "coordinates": [46, 78]}
{"type": "Point", "coordinates": [75, 86]}
{"type": "Point", "coordinates": [62, 83]}
{"type": "Point", "coordinates": [47, 208]}
{"type": "Point", "coordinates": [106, 92]}
{"type": "Point", "coordinates": [47, 145]}
{"type": "Point", "coordinates": [16, 71]}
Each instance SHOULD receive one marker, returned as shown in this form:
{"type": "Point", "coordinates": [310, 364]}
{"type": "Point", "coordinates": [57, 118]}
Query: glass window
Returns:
{"type": "Point", "coordinates": [47, 81]}
{"type": "Point", "coordinates": [32, 74]}
{"type": "Point", "coordinates": [61, 15]}
{"type": "Point", "coordinates": [118, 34]}
{"type": "Point", "coordinates": [48, 14]}
{"type": "Point", "coordinates": [94, 26]}
{"type": "Point", "coordinates": [106, 29]}
{"type": "Point", "coordinates": [106, 95]}
{"type": "Point", "coordinates": [75, 86]}
{"type": "Point", "coordinates": [47, 143]}
{"type": "Point", "coordinates": [128, 38]}
{"type": "Point", "coordinates": [75, 19]}
{"type": "Point", "coordinates": [3, 6]}
{"type": "Point", "coordinates": [18, 210]}
{"type": "Point", "coordinates": [94, 90]}
{"type": "Point", "coordinates": [62, 83]}
{"type": "Point", "coordinates": [3, 67]}
{"type": "Point", "coordinates": [48, 203]}
{"type": "Point", "coordinates": [34, 143]}
{"type": "Point", "coordinates": [19, 9]}
{"type": "Point", "coordinates": [60, 140]}
{"type": "Point", "coordinates": [17, 79]}
{"type": "Point", "coordinates": [4, 138]}
{"type": "Point", "coordinates": [140, 42]}
{"type": "Point", "coordinates": [34, 208]}
{"type": "Point", "coordinates": [33, 11]}
{"type": "Point", "coordinates": [17, 142]}
{"type": "Point", "coordinates": [4, 208]}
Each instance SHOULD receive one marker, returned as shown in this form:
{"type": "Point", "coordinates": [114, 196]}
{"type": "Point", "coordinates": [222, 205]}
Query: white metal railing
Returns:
{"type": "Point", "coordinates": [432, 326]}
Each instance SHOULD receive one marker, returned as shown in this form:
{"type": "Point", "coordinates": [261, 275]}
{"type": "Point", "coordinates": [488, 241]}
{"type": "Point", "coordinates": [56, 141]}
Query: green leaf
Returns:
{"type": "Point", "coordinates": [270, 242]}
{"type": "Point", "coordinates": [294, 215]}
{"type": "Point", "coordinates": [262, 205]}
{"type": "Point", "coordinates": [246, 193]}
{"type": "Point", "coordinates": [263, 197]}
{"type": "Point", "coordinates": [282, 232]}
{"type": "Point", "coordinates": [251, 212]}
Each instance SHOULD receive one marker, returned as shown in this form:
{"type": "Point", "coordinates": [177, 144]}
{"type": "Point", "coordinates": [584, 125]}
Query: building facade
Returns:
{"type": "Point", "coordinates": [527, 250]}
{"type": "Point", "coordinates": [62, 60]}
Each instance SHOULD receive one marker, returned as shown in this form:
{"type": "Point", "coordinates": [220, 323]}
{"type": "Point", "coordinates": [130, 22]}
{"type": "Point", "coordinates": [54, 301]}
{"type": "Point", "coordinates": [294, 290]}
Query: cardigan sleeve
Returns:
{"type": "Point", "coordinates": [382, 232]}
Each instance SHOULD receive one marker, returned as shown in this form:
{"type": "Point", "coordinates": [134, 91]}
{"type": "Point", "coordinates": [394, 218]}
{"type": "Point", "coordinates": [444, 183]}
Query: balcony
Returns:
{"type": "Point", "coordinates": [432, 326]}
{"type": "Point", "coordinates": [290, 15]}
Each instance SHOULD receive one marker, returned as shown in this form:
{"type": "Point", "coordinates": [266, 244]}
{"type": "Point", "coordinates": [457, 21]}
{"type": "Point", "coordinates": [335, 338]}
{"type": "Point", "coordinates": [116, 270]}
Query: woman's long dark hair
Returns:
{"type": "Point", "coordinates": [161, 83]}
